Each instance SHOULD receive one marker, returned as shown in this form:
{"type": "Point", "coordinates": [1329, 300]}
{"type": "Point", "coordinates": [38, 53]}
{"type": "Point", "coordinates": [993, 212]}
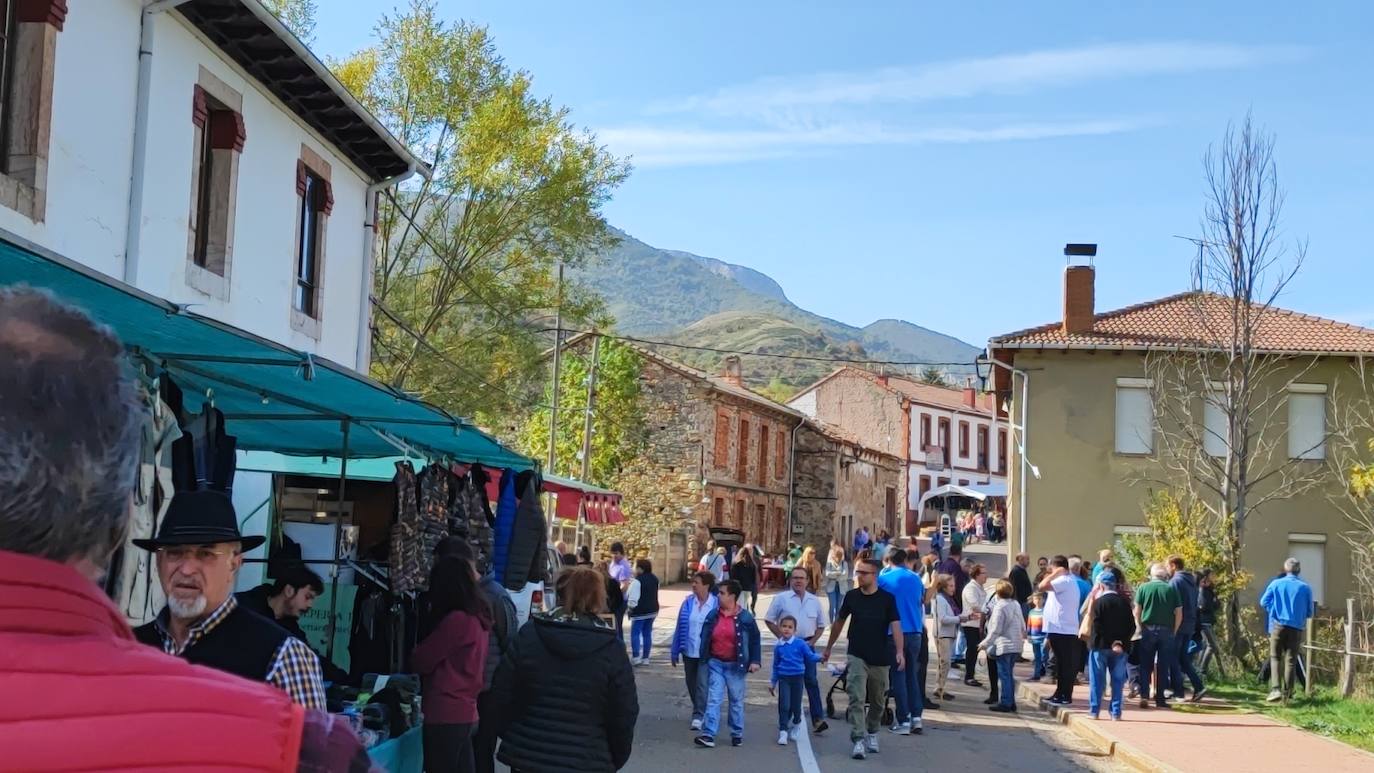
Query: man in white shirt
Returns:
{"type": "Point", "coordinates": [806, 608]}
{"type": "Point", "coordinates": [1062, 600]}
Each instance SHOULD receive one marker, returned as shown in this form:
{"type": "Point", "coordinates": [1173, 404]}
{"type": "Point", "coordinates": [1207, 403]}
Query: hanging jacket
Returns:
{"type": "Point", "coordinates": [564, 698]}
{"type": "Point", "coordinates": [527, 558]}
{"type": "Point", "coordinates": [505, 527]}
{"type": "Point", "coordinates": [86, 685]}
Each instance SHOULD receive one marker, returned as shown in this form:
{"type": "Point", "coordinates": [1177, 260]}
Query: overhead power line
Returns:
{"type": "Point", "coordinates": [774, 355]}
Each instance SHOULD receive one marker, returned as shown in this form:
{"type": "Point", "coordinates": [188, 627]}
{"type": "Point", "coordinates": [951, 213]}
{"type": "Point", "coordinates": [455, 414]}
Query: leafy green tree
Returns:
{"type": "Point", "coordinates": [933, 376]}
{"type": "Point", "coordinates": [297, 15]}
{"type": "Point", "coordinates": [778, 391]}
{"type": "Point", "coordinates": [464, 274]}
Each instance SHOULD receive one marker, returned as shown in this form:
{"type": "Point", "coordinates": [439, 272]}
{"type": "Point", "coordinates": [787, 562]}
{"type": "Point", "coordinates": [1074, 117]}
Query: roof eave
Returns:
{"type": "Point", "coordinates": [1050, 346]}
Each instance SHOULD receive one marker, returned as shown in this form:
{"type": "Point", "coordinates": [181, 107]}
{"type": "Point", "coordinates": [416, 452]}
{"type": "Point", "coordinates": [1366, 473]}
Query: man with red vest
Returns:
{"type": "Point", "coordinates": [71, 417]}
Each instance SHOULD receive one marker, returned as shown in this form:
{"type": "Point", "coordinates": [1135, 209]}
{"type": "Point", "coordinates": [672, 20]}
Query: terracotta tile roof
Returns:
{"type": "Point", "coordinates": [915, 391]}
{"type": "Point", "coordinates": [844, 435]}
{"type": "Point", "coordinates": [1197, 320]}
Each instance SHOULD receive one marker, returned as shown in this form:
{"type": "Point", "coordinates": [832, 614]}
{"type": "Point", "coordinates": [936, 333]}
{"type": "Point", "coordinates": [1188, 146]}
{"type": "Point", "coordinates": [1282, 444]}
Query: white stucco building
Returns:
{"type": "Point", "coordinates": [199, 152]}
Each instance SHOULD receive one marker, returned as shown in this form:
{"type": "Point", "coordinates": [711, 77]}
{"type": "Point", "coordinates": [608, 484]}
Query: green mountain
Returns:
{"type": "Point", "coordinates": [681, 298]}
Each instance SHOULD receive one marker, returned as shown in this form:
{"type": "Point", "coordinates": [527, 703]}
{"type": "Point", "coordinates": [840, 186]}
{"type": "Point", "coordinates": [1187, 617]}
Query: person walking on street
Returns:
{"type": "Point", "coordinates": [790, 658]}
{"type": "Point", "coordinates": [1006, 633]}
{"type": "Point", "coordinates": [1158, 613]}
{"type": "Point", "coordinates": [1021, 582]}
{"type": "Point", "coordinates": [1288, 603]}
{"type": "Point", "coordinates": [975, 598]}
{"type": "Point", "coordinates": [713, 561]}
{"type": "Point", "coordinates": [687, 643]}
{"type": "Point", "coordinates": [641, 605]}
{"type": "Point", "coordinates": [731, 639]}
{"type": "Point", "coordinates": [1061, 627]}
{"type": "Point", "coordinates": [1185, 584]}
{"type": "Point", "coordinates": [623, 573]}
{"type": "Point", "coordinates": [947, 622]}
{"type": "Point", "coordinates": [745, 571]}
{"type": "Point", "coordinates": [450, 661]}
{"type": "Point", "coordinates": [804, 607]}
{"type": "Point", "coordinates": [1035, 631]}
{"type": "Point", "coordinates": [1113, 626]}
{"type": "Point", "coordinates": [837, 574]}
{"type": "Point", "coordinates": [908, 684]}
{"type": "Point", "coordinates": [815, 572]}
{"type": "Point", "coordinates": [874, 614]}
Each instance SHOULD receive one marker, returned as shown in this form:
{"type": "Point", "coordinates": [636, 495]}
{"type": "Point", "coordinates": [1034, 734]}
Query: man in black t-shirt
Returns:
{"type": "Point", "coordinates": [871, 613]}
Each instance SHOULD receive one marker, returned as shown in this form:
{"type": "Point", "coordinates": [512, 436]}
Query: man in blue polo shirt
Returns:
{"type": "Point", "coordinates": [908, 684]}
{"type": "Point", "coordinates": [1288, 601]}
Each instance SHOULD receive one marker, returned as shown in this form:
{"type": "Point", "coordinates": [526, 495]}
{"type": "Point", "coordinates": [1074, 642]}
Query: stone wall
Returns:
{"type": "Point", "coordinates": [841, 487]}
{"type": "Point", "coordinates": [875, 415]}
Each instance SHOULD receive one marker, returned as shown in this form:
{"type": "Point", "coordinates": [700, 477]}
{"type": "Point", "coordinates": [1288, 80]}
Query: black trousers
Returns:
{"type": "Point", "coordinates": [1066, 647]}
{"type": "Point", "coordinates": [973, 636]}
{"type": "Point", "coordinates": [484, 740]}
{"type": "Point", "coordinates": [448, 748]}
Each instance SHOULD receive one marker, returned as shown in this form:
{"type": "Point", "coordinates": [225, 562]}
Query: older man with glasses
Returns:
{"type": "Point", "coordinates": [199, 551]}
{"type": "Point", "coordinates": [805, 607]}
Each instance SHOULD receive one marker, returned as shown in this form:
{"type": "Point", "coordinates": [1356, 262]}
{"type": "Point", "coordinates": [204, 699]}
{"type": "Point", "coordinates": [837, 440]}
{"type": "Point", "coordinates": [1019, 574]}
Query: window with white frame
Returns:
{"type": "Point", "coordinates": [1135, 419]}
{"type": "Point", "coordinates": [1310, 550]}
{"type": "Point", "coordinates": [1307, 421]}
{"type": "Point", "coordinates": [1120, 533]}
{"type": "Point", "coordinates": [1215, 427]}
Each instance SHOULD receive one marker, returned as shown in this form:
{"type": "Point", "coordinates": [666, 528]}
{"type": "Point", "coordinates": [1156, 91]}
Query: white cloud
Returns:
{"type": "Point", "coordinates": [963, 78]}
{"type": "Point", "coordinates": [658, 147]}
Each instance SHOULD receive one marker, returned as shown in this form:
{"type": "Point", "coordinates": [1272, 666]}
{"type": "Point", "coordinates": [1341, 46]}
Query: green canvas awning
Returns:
{"type": "Point", "coordinates": [274, 398]}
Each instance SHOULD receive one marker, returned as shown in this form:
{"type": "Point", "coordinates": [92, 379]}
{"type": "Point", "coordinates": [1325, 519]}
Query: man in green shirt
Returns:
{"type": "Point", "coordinates": [1158, 614]}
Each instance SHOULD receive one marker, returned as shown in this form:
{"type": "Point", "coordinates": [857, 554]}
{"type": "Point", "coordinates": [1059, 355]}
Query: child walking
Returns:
{"type": "Point", "coordinates": [1035, 628]}
{"type": "Point", "coordinates": [790, 657]}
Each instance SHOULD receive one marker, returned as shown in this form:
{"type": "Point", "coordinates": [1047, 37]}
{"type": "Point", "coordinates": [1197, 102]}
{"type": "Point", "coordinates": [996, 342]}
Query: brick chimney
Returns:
{"type": "Point", "coordinates": [1078, 299]}
{"type": "Point", "coordinates": [732, 372]}
{"type": "Point", "coordinates": [970, 397]}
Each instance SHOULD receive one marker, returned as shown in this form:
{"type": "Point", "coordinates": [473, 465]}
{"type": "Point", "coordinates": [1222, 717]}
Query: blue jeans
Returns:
{"type": "Point", "coordinates": [960, 648]}
{"type": "Point", "coordinates": [813, 692]}
{"type": "Point", "coordinates": [790, 690]}
{"type": "Point", "coordinates": [726, 680]}
{"type": "Point", "coordinates": [1183, 666]}
{"type": "Point", "coordinates": [1101, 665]}
{"type": "Point", "coordinates": [908, 690]}
{"type": "Point", "coordinates": [1006, 665]}
{"type": "Point", "coordinates": [641, 636]}
{"type": "Point", "coordinates": [1038, 668]}
{"type": "Point", "coordinates": [1156, 642]}
{"type": "Point", "coordinates": [836, 597]}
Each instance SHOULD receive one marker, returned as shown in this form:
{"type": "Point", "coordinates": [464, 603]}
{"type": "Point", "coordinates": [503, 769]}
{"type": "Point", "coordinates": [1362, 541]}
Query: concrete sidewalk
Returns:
{"type": "Point", "coordinates": [1213, 738]}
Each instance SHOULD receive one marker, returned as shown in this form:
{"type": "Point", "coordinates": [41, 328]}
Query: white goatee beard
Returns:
{"type": "Point", "coordinates": [184, 610]}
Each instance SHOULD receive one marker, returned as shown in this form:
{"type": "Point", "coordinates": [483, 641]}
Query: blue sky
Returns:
{"type": "Point", "coordinates": [928, 161]}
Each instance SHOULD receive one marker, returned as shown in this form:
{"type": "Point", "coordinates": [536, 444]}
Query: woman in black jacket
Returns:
{"type": "Point", "coordinates": [566, 693]}
{"type": "Point", "coordinates": [746, 573]}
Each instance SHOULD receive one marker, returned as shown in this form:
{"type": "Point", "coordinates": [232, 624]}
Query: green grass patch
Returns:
{"type": "Point", "coordinates": [1324, 712]}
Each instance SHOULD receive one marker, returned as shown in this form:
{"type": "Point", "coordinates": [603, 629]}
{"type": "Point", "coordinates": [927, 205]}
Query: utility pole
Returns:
{"type": "Point", "coordinates": [557, 373]}
{"type": "Point", "coordinates": [587, 427]}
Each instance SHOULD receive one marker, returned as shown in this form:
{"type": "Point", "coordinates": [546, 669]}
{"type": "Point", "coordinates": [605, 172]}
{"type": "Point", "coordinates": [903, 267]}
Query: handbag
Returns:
{"type": "Point", "coordinates": [1085, 627]}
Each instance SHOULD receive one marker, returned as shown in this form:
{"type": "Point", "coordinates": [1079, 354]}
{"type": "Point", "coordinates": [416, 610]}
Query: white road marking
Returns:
{"type": "Point", "coordinates": [804, 751]}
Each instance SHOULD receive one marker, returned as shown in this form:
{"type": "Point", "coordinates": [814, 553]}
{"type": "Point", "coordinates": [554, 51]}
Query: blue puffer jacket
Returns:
{"type": "Point", "coordinates": [678, 648]}
{"type": "Point", "coordinates": [747, 641]}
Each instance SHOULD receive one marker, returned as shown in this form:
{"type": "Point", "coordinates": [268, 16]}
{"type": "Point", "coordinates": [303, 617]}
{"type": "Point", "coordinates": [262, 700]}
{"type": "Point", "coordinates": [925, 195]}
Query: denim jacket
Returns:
{"type": "Point", "coordinates": [748, 647]}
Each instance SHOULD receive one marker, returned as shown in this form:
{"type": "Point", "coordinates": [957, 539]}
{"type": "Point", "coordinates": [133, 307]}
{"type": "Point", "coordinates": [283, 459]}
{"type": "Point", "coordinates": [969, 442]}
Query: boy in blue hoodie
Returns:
{"type": "Point", "coordinates": [790, 657]}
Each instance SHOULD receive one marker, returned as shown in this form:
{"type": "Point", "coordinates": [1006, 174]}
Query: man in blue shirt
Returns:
{"type": "Point", "coordinates": [1288, 601]}
{"type": "Point", "coordinates": [908, 684]}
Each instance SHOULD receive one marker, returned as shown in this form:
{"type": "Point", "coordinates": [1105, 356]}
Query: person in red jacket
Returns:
{"type": "Point", "coordinates": [71, 418]}
{"type": "Point", "coordinates": [450, 662]}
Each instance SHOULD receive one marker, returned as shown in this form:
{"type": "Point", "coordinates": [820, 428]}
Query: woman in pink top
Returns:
{"type": "Point", "coordinates": [449, 662]}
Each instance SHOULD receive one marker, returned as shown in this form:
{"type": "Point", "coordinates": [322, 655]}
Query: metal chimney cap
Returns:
{"type": "Point", "coordinates": [1080, 250]}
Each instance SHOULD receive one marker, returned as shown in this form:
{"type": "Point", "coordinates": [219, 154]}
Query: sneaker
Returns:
{"type": "Point", "coordinates": [736, 741]}
{"type": "Point", "coordinates": [705, 741]}
{"type": "Point", "coordinates": [1168, 693]}
{"type": "Point", "coordinates": [782, 738]}
{"type": "Point", "coordinates": [930, 704]}
{"type": "Point", "coordinates": [1094, 716]}
{"type": "Point", "coordinates": [795, 731]}
{"type": "Point", "coordinates": [1144, 703]}
{"type": "Point", "coordinates": [819, 726]}
{"type": "Point", "coordinates": [989, 701]}
{"type": "Point", "coordinates": [973, 683]}
{"type": "Point", "coordinates": [901, 728]}
{"type": "Point", "coordinates": [1000, 709]}
{"type": "Point", "coordinates": [1197, 696]}
{"type": "Point", "coordinates": [872, 741]}
{"type": "Point", "coordinates": [1056, 701]}
{"type": "Point", "coordinates": [696, 725]}
{"type": "Point", "coordinates": [1116, 717]}
{"type": "Point", "coordinates": [1274, 696]}
{"type": "Point", "coordinates": [859, 751]}
{"type": "Point", "coordinates": [1163, 705]}
{"type": "Point", "coordinates": [916, 725]}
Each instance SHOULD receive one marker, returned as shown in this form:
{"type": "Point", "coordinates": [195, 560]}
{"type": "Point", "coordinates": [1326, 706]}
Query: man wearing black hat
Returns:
{"type": "Point", "coordinates": [199, 551]}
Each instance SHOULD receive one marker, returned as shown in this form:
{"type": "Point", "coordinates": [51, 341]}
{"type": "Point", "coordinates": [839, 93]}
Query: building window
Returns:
{"type": "Point", "coordinates": [923, 487]}
{"type": "Point", "coordinates": [1135, 418]}
{"type": "Point", "coordinates": [963, 440]}
{"type": "Point", "coordinates": [779, 526]}
{"type": "Point", "coordinates": [742, 453]}
{"type": "Point", "coordinates": [763, 456]}
{"type": "Point", "coordinates": [1002, 451]}
{"type": "Point", "coordinates": [28, 50]}
{"type": "Point", "coordinates": [314, 204]}
{"type": "Point", "coordinates": [890, 509]}
{"type": "Point", "coordinates": [739, 515]}
{"type": "Point", "coordinates": [963, 482]}
{"type": "Point", "coordinates": [925, 432]}
{"type": "Point", "coordinates": [944, 440]}
{"type": "Point", "coordinates": [942, 482]}
{"type": "Point", "coordinates": [718, 512]}
{"type": "Point", "coordinates": [1215, 433]}
{"type": "Point", "coordinates": [220, 134]}
{"type": "Point", "coordinates": [1310, 550]}
{"type": "Point", "coordinates": [983, 448]}
{"type": "Point", "coordinates": [720, 455]}
{"type": "Point", "coordinates": [780, 456]}
{"type": "Point", "coordinates": [1307, 421]}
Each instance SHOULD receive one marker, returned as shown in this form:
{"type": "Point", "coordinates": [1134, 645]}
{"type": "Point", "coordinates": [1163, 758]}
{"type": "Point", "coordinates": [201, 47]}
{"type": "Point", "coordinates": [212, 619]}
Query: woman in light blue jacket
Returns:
{"type": "Point", "coordinates": [837, 579]}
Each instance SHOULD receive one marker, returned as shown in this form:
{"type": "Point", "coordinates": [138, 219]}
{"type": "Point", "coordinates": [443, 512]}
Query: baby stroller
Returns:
{"type": "Point", "coordinates": [841, 686]}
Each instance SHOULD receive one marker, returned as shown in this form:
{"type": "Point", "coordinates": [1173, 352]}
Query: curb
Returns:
{"type": "Point", "coordinates": [1087, 729]}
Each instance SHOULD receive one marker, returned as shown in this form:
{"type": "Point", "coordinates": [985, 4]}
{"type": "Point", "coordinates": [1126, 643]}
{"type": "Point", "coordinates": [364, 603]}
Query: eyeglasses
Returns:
{"type": "Point", "coordinates": [863, 571]}
{"type": "Point", "coordinates": [180, 554]}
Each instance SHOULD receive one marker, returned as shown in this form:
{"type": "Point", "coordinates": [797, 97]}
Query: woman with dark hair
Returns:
{"type": "Point", "coordinates": [584, 556]}
{"type": "Point", "coordinates": [641, 606]}
{"type": "Point", "coordinates": [745, 571]}
{"type": "Point", "coordinates": [450, 663]}
{"type": "Point", "coordinates": [565, 695]}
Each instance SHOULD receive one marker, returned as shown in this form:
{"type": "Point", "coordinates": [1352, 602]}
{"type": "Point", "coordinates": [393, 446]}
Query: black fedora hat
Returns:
{"type": "Point", "coordinates": [199, 518]}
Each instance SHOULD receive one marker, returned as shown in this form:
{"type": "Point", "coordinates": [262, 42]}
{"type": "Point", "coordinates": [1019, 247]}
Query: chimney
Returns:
{"type": "Point", "coordinates": [732, 372]}
{"type": "Point", "coordinates": [970, 397]}
{"type": "Point", "coordinates": [1079, 304]}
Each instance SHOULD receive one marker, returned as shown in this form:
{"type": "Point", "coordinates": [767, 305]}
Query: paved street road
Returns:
{"type": "Point", "coordinates": [962, 736]}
